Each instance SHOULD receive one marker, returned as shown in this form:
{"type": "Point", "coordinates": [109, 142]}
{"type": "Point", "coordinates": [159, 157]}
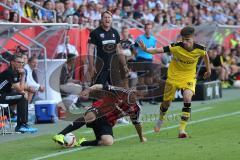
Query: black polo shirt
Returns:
{"type": "Point", "coordinates": [7, 79]}
{"type": "Point", "coordinates": [106, 42]}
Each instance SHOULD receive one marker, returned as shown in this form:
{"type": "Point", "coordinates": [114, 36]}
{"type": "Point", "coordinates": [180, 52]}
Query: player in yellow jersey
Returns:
{"type": "Point", "coordinates": [181, 74]}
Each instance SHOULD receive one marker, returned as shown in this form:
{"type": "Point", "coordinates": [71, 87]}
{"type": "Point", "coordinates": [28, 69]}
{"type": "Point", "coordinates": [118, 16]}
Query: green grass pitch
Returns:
{"type": "Point", "coordinates": [215, 135]}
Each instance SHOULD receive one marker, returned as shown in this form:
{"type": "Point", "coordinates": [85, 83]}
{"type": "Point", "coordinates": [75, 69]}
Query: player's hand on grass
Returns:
{"type": "Point", "coordinates": [142, 45]}
{"type": "Point", "coordinates": [207, 74]}
{"type": "Point", "coordinates": [143, 139]}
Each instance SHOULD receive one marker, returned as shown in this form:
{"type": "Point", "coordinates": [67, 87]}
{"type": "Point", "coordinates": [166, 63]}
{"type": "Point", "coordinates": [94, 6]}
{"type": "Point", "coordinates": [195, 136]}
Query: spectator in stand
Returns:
{"type": "Point", "coordinates": [47, 15]}
{"type": "Point", "coordinates": [138, 13]}
{"type": "Point", "coordinates": [23, 9]}
{"type": "Point", "coordinates": [59, 7]}
{"type": "Point", "coordinates": [80, 11]}
{"type": "Point", "coordinates": [117, 14]}
{"type": "Point", "coordinates": [6, 15]}
{"type": "Point", "coordinates": [69, 10]}
{"type": "Point", "coordinates": [75, 19]}
{"type": "Point", "coordinates": [37, 15]}
{"type": "Point", "coordinates": [14, 17]}
{"type": "Point", "coordinates": [96, 13]}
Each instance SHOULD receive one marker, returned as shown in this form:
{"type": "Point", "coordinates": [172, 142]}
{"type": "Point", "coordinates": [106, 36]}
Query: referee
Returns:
{"type": "Point", "coordinates": [105, 40]}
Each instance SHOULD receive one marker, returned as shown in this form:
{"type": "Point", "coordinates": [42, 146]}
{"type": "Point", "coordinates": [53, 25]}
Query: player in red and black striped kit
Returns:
{"type": "Point", "coordinates": [114, 103]}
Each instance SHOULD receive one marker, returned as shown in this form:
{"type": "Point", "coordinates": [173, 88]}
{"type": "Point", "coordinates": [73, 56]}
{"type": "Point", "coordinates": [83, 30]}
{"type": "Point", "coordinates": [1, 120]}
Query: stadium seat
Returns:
{"type": "Point", "coordinates": [4, 120]}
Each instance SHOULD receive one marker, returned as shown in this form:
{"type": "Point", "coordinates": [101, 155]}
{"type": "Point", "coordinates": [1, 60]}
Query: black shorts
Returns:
{"type": "Point", "coordinates": [111, 77]}
{"type": "Point", "coordinates": [101, 127]}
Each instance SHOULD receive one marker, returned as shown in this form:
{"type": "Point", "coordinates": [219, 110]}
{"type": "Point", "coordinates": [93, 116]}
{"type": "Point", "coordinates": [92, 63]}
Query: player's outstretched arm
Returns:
{"type": "Point", "coordinates": [138, 128]}
{"type": "Point", "coordinates": [150, 50]}
{"type": "Point", "coordinates": [85, 93]}
{"type": "Point", "coordinates": [137, 124]}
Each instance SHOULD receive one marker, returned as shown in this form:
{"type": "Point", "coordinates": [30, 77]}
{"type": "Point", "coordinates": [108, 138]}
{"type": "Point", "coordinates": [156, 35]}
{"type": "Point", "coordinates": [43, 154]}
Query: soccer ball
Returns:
{"type": "Point", "coordinates": [69, 140]}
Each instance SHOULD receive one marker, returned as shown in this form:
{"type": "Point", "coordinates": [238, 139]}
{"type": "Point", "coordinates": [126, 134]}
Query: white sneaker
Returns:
{"type": "Point", "coordinates": [158, 125]}
{"type": "Point", "coordinates": [122, 121]}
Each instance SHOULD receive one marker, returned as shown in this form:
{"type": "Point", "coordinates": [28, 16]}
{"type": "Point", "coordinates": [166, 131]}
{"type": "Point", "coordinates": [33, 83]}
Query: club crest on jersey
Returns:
{"type": "Point", "coordinates": [102, 35]}
{"type": "Point", "coordinates": [113, 35]}
{"type": "Point", "coordinates": [15, 79]}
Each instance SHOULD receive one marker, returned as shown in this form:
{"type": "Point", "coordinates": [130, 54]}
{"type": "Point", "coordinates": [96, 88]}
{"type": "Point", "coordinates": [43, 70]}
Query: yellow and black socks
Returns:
{"type": "Point", "coordinates": [186, 111]}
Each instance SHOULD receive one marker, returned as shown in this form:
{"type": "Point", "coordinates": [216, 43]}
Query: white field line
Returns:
{"type": "Point", "coordinates": [135, 135]}
{"type": "Point", "coordinates": [170, 116]}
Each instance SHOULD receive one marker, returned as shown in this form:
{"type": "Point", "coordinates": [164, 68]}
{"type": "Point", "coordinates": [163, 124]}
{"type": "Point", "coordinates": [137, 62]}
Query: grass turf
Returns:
{"type": "Point", "coordinates": [211, 139]}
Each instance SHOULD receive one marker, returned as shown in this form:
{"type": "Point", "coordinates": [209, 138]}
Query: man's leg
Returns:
{"type": "Point", "coordinates": [103, 133]}
{"type": "Point", "coordinates": [89, 117]}
{"type": "Point", "coordinates": [22, 104]}
{"type": "Point", "coordinates": [168, 96]}
{"type": "Point", "coordinates": [186, 111]}
{"type": "Point", "coordinates": [102, 77]}
{"type": "Point", "coordinates": [76, 124]}
{"type": "Point", "coordinates": [106, 140]}
{"type": "Point", "coordinates": [163, 110]}
{"type": "Point", "coordinates": [22, 111]}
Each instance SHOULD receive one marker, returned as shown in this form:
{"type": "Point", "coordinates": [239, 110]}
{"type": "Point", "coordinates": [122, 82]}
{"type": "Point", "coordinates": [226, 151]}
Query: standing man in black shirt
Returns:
{"type": "Point", "coordinates": [105, 40]}
{"type": "Point", "coordinates": [12, 86]}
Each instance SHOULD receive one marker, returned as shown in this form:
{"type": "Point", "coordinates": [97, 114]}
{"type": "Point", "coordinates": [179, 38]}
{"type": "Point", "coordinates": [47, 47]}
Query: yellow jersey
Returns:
{"type": "Point", "coordinates": [183, 64]}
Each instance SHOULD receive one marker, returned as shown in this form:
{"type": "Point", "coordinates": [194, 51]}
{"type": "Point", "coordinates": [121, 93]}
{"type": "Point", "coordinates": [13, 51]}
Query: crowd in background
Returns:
{"type": "Point", "coordinates": [161, 12]}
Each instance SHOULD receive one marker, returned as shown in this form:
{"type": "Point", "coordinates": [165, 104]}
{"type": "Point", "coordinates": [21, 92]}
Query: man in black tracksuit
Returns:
{"type": "Point", "coordinates": [12, 86]}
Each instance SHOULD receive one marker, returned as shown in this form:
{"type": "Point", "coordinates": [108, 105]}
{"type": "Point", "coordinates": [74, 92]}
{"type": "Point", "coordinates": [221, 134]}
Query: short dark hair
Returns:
{"type": "Point", "coordinates": [124, 27]}
{"type": "Point", "coordinates": [147, 24]}
{"type": "Point", "coordinates": [32, 58]}
{"type": "Point", "coordinates": [107, 12]}
{"type": "Point", "coordinates": [187, 31]}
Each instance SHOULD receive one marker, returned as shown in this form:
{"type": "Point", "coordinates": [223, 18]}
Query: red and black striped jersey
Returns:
{"type": "Point", "coordinates": [117, 106]}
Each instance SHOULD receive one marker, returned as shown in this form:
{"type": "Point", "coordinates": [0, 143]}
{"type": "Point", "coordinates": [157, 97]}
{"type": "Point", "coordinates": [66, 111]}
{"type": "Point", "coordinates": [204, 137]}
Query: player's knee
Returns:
{"type": "Point", "coordinates": [187, 96]}
{"type": "Point", "coordinates": [89, 117]}
{"type": "Point", "coordinates": [165, 104]}
{"type": "Point", "coordinates": [106, 140]}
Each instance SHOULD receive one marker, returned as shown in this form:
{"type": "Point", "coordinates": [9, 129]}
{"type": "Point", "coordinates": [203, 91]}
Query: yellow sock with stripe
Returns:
{"type": "Point", "coordinates": [183, 123]}
{"type": "Point", "coordinates": [186, 110]}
